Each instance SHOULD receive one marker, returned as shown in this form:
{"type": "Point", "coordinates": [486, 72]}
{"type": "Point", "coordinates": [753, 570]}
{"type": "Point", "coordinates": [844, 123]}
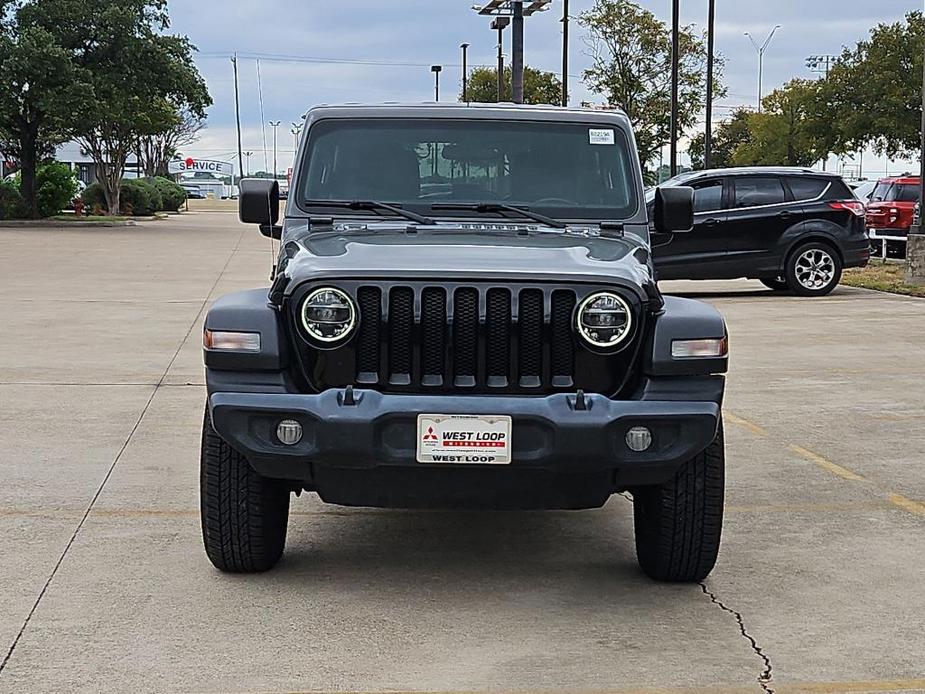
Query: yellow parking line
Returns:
{"type": "Point", "coordinates": [825, 464]}
{"type": "Point", "coordinates": [902, 685]}
{"type": "Point", "coordinates": [811, 507]}
{"type": "Point", "coordinates": [895, 685]}
{"type": "Point", "coordinates": [908, 504]}
{"type": "Point", "coordinates": [744, 423]}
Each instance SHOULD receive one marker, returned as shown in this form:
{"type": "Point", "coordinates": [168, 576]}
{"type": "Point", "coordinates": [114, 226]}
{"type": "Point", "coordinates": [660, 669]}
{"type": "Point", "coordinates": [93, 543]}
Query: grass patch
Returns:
{"type": "Point", "coordinates": [89, 218]}
{"type": "Point", "coordinates": [883, 277]}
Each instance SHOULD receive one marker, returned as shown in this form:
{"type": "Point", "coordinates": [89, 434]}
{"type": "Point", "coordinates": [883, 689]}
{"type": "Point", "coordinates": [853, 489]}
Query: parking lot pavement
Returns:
{"type": "Point", "coordinates": [106, 586]}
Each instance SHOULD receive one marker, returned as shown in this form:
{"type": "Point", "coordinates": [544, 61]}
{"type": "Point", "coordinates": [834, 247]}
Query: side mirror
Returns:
{"type": "Point", "coordinates": [258, 203]}
{"type": "Point", "coordinates": [674, 209]}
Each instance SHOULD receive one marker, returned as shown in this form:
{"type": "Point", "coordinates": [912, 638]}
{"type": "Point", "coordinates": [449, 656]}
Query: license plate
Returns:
{"type": "Point", "coordinates": [464, 439]}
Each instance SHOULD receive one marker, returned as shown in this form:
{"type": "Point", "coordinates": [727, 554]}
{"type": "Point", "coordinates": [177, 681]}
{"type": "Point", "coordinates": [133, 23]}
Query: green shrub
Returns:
{"type": "Point", "coordinates": [93, 198]}
{"type": "Point", "coordinates": [172, 194]}
{"type": "Point", "coordinates": [12, 205]}
{"type": "Point", "coordinates": [138, 198]}
{"type": "Point", "coordinates": [55, 188]}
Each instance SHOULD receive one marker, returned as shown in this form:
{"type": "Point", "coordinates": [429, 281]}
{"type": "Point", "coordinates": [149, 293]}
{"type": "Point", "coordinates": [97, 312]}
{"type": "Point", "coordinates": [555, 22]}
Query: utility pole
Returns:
{"type": "Point", "coordinates": [565, 19]}
{"type": "Point", "coordinates": [274, 124]}
{"type": "Point", "coordinates": [761, 49]}
{"type": "Point", "coordinates": [500, 23]}
{"type": "Point", "coordinates": [465, 72]}
{"type": "Point", "coordinates": [675, 61]}
{"type": "Point", "coordinates": [237, 115]}
{"type": "Point", "coordinates": [436, 70]}
{"type": "Point", "coordinates": [708, 134]}
{"type": "Point", "coordinates": [515, 11]}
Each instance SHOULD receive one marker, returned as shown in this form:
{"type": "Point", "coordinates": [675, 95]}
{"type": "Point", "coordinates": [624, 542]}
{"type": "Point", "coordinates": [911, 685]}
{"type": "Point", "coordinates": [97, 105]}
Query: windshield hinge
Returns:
{"type": "Point", "coordinates": [609, 228]}
{"type": "Point", "coordinates": [320, 222]}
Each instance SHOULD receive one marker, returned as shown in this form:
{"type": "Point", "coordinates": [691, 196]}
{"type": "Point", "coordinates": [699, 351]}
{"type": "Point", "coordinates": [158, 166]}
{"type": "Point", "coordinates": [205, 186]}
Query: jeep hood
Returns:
{"type": "Point", "coordinates": [501, 252]}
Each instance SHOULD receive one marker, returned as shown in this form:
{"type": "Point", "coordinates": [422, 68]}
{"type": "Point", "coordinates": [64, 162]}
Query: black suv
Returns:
{"type": "Point", "coordinates": [793, 229]}
{"type": "Point", "coordinates": [464, 314]}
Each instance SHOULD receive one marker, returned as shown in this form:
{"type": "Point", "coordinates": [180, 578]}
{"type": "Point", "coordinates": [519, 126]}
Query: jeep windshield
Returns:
{"type": "Point", "coordinates": [574, 171]}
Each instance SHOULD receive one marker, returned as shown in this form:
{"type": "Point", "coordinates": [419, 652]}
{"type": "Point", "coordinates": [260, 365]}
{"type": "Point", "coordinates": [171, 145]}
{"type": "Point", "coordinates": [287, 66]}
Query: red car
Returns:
{"type": "Point", "coordinates": [891, 208]}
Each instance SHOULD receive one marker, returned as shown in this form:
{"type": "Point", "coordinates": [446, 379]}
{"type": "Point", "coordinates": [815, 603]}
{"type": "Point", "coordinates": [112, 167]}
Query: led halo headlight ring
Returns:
{"type": "Point", "coordinates": [328, 315]}
{"type": "Point", "coordinates": [599, 330]}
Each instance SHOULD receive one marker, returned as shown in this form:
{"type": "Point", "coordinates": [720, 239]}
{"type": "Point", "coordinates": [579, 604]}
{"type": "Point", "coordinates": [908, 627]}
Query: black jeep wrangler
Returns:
{"type": "Point", "coordinates": [464, 315]}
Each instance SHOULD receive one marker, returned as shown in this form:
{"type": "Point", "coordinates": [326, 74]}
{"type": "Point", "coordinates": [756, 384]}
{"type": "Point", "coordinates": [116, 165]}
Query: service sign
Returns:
{"type": "Point", "coordinates": [464, 439]}
{"type": "Point", "coordinates": [217, 168]}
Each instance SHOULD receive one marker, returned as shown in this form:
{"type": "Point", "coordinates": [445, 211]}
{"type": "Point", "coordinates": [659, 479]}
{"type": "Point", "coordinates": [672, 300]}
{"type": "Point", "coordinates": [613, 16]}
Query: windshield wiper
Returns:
{"type": "Point", "coordinates": [498, 207]}
{"type": "Point", "coordinates": [373, 205]}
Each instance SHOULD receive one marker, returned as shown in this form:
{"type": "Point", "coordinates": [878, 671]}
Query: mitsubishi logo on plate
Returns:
{"type": "Point", "coordinates": [429, 435]}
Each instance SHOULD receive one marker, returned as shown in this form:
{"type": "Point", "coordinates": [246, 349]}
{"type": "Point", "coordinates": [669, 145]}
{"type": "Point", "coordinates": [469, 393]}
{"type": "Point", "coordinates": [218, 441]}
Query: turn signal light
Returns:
{"type": "Point", "coordinates": [700, 349]}
{"type": "Point", "coordinates": [224, 341]}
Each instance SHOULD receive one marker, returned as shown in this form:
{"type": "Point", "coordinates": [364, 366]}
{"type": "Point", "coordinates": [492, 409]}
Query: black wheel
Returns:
{"type": "Point", "coordinates": [813, 269]}
{"type": "Point", "coordinates": [775, 284]}
{"type": "Point", "coordinates": [679, 523]}
{"type": "Point", "coordinates": [244, 515]}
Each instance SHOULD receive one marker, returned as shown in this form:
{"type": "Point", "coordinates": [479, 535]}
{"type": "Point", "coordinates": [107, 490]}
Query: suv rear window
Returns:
{"type": "Point", "coordinates": [565, 170]}
{"type": "Point", "coordinates": [805, 188]}
{"type": "Point", "coordinates": [895, 192]}
{"type": "Point", "coordinates": [753, 191]}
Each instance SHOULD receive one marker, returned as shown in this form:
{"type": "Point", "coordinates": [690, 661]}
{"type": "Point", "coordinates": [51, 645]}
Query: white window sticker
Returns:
{"type": "Point", "coordinates": [600, 136]}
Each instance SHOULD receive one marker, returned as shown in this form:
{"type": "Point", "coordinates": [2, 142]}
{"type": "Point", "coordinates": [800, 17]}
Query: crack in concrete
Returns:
{"type": "Point", "coordinates": [118, 457]}
{"type": "Point", "coordinates": [765, 678]}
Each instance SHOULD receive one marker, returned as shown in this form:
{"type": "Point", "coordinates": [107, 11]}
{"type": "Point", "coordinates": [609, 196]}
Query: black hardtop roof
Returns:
{"type": "Point", "coordinates": [487, 111]}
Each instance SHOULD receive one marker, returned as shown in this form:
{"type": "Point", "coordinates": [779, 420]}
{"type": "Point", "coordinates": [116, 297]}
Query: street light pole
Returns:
{"type": "Point", "coordinates": [513, 10]}
{"type": "Point", "coordinates": [675, 62]}
{"type": "Point", "coordinates": [565, 19]}
{"type": "Point", "coordinates": [247, 155]}
{"type": "Point", "coordinates": [761, 49]}
{"type": "Point", "coordinates": [517, 53]}
{"type": "Point", "coordinates": [465, 72]}
{"type": "Point", "coordinates": [274, 124]}
{"type": "Point", "coordinates": [436, 70]}
{"type": "Point", "coordinates": [708, 134]}
{"type": "Point", "coordinates": [500, 23]}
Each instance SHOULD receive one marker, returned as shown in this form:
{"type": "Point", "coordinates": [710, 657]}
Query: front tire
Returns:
{"type": "Point", "coordinates": [244, 515]}
{"type": "Point", "coordinates": [813, 269]}
{"type": "Point", "coordinates": [679, 523]}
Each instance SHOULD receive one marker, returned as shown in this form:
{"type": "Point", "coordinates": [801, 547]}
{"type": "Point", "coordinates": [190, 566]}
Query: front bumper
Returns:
{"type": "Point", "coordinates": [380, 430]}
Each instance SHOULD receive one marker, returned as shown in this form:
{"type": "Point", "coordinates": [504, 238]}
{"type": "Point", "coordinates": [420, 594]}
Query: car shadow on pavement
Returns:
{"type": "Point", "coordinates": [531, 548]}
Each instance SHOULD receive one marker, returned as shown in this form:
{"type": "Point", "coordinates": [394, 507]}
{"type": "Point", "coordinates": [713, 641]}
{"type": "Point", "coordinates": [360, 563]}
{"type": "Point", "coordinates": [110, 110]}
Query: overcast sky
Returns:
{"type": "Point", "coordinates": [328, 51]}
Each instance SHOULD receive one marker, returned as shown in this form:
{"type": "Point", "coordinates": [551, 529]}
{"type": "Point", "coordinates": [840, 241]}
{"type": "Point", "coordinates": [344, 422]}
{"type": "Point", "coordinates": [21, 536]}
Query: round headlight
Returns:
{"type": "Point", "coordinates": [328, 315]}
{"type": "Point", "coordinates": [604, 320]}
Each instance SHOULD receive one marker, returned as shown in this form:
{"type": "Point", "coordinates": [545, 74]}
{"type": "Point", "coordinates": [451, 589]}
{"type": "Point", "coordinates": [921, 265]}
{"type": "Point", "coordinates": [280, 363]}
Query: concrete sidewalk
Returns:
{"type": "Point", "coordinates": [106, 587]}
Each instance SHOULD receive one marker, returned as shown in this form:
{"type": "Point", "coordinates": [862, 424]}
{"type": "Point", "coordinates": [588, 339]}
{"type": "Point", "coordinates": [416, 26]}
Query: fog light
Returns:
{"type": "Point", "coordinates": [639, 439]}
{"type": "Point", "coordinates": [289, 432]}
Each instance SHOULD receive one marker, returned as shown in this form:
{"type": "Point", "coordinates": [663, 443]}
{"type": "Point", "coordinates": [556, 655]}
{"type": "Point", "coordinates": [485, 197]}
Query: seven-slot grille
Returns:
{"type": "Point", "coordinates": [465, 337]}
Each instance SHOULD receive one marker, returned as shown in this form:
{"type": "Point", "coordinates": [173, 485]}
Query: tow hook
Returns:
{"type": "Point", "coordinates": [581, 403]}
{"type": "Point", "coordinates": [347, 398]}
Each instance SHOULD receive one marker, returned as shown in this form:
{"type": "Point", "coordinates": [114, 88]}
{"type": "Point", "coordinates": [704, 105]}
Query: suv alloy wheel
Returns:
{"type": "Point", "coordinates": [813, 269]}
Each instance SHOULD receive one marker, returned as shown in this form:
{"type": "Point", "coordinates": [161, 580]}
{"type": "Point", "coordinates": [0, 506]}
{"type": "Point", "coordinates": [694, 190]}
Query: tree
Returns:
{"type": "Point", "coordinates": [727, 137]}
{"type": "Point", "coordinates": [140, 77]}
{"type": "Point", "coordinates": [540, 87]}
{"type": "Point", "coordinates": [156, 150]}
{"type": "Point", "coordinates": [42, 90]}
{"type": "Point", "coordinates": [630, 51]}
{"type": "Point", "coordinates": [788, 131]}
{"type": "Point", "coordinates": [876, 88]}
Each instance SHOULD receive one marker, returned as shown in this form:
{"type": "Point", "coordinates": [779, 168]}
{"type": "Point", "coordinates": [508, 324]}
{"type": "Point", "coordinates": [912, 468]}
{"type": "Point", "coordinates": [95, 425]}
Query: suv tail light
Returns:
{"type": "Point", "coordinates": [856, 207]}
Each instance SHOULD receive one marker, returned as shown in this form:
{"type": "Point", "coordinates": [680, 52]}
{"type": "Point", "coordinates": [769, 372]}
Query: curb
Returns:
{"type": "Point", "coordinates": [58, 224]}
